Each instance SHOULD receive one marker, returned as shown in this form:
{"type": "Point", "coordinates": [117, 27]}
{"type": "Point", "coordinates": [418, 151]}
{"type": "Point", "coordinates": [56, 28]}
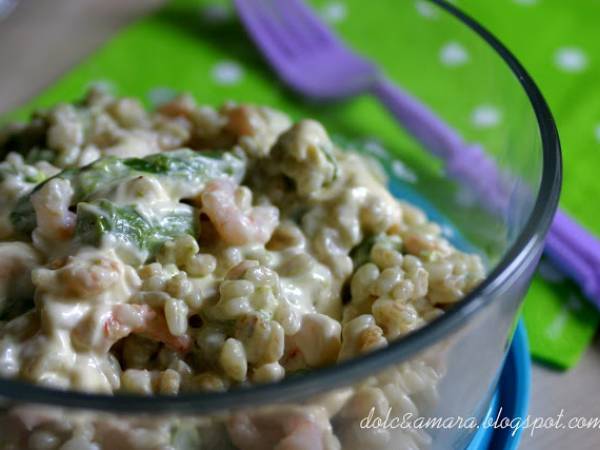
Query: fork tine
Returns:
{"type": "Point", "coordinates": [261, 24]}
{"type": "Point", "coordinates": [307, 20]}
{"type": "Point", "coordinates": [305, 36]}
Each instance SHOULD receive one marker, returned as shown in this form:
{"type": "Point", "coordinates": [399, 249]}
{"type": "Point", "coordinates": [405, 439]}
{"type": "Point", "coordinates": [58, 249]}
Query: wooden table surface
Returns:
{"type": "Point", "coordinates": [41, 39]}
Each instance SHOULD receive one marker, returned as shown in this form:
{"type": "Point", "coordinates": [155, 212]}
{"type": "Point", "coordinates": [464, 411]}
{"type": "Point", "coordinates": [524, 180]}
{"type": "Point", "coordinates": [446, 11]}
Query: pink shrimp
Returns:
{"type": "Point", "coordinates": [302, 434]}
{"type": "Point", "coordinates": [234, 225]}
{"type": "Point", "coordinates": [30, 416]}
{"type": "Point", "coordinates": [279, 430]}
{"type": "Point", "coordinates": [125, 319]}
{"type": "Point", "coordinates": [51, 204]}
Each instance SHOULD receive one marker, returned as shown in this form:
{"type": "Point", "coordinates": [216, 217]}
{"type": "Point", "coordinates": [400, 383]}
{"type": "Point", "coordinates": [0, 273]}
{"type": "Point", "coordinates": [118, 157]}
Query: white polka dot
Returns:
{"type": "Point", "coordinates": [374, 147]}
{"type": "Point", "coordinates": [485, 116]}
{"type": "Point", "coordinates": [161, 95]}
{"type": "Point", "coordinates": [570, 59]}
{"type": "Point", "coordinates": [555, 329]}
{"type": "Point", "coordinates": [426, 9]}
{"type": "Point", "coordinates": [216, 13]}
{"type": "Point", "coordinates": [334, 12]}
{"type": "Point", "coordinates": [550, 273]}
{"type": "Point", "coordinates": [597, 132]}
{"type": "Point", "coordinates": [403, 172]}
{"type": "Point", "coordinates": [526, 2]}
{"type": "Point", "coordinates": [227, 73]}
{"type": "Point", "coordinates": [453, 54]}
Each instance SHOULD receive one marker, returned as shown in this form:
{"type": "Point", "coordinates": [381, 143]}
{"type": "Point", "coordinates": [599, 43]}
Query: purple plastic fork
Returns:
{"type": "Point", "coordinates": [313, 61]}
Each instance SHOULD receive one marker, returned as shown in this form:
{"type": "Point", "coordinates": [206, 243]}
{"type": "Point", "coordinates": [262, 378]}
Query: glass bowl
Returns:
{"type": "Point", "coordinates": [449, 368]}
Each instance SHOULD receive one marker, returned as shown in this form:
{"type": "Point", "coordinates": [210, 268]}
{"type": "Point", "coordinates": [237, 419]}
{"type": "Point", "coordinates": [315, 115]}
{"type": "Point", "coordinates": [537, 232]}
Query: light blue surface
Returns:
{"type": "Point", "coordinates": [512, 395]}
{"type": "Point", "coordinates": [483, 436]}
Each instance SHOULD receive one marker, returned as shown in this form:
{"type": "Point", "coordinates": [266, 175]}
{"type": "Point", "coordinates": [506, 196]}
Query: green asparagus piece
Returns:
{"type": "Point", "coordinates": [180, 167]}
{"type": "Point", "coordinates": [130, 228]}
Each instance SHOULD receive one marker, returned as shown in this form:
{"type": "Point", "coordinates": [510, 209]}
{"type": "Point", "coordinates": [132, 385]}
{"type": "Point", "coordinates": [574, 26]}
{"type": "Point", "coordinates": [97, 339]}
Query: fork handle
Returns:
{"type": "Point", "coordinates": [429, 129]}
{"type": "Point", "coordinates": [576, 253]}
{"type": "Point", "coordinates": [574, 250]}
{"type": "Point", "coordinates": [468, 163]}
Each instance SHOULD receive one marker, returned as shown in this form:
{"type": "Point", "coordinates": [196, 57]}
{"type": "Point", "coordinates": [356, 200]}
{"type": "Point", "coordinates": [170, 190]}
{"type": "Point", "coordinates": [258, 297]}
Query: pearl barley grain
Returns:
{"type": "Point", "coordinates": [176, 315]}
{"type": "Point", "coordinates": [233, 359]}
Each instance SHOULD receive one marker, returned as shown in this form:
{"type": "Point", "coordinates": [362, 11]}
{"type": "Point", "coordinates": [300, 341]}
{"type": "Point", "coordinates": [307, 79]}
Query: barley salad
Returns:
{"type": "Point", "coordinates": [194, 249]}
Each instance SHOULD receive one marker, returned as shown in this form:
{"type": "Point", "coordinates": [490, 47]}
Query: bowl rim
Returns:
{"type": "Point", "coordinates": [519, 255]}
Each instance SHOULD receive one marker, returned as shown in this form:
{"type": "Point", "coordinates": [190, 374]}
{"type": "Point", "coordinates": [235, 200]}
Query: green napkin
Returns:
{"type": "Point", "coordinates": [558, 42]}
{"type": "Point", "coordinates": [199, 46]}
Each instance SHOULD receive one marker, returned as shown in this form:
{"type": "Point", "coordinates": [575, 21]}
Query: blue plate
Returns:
{"type": "Point", "coordinates": [512, 394]}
